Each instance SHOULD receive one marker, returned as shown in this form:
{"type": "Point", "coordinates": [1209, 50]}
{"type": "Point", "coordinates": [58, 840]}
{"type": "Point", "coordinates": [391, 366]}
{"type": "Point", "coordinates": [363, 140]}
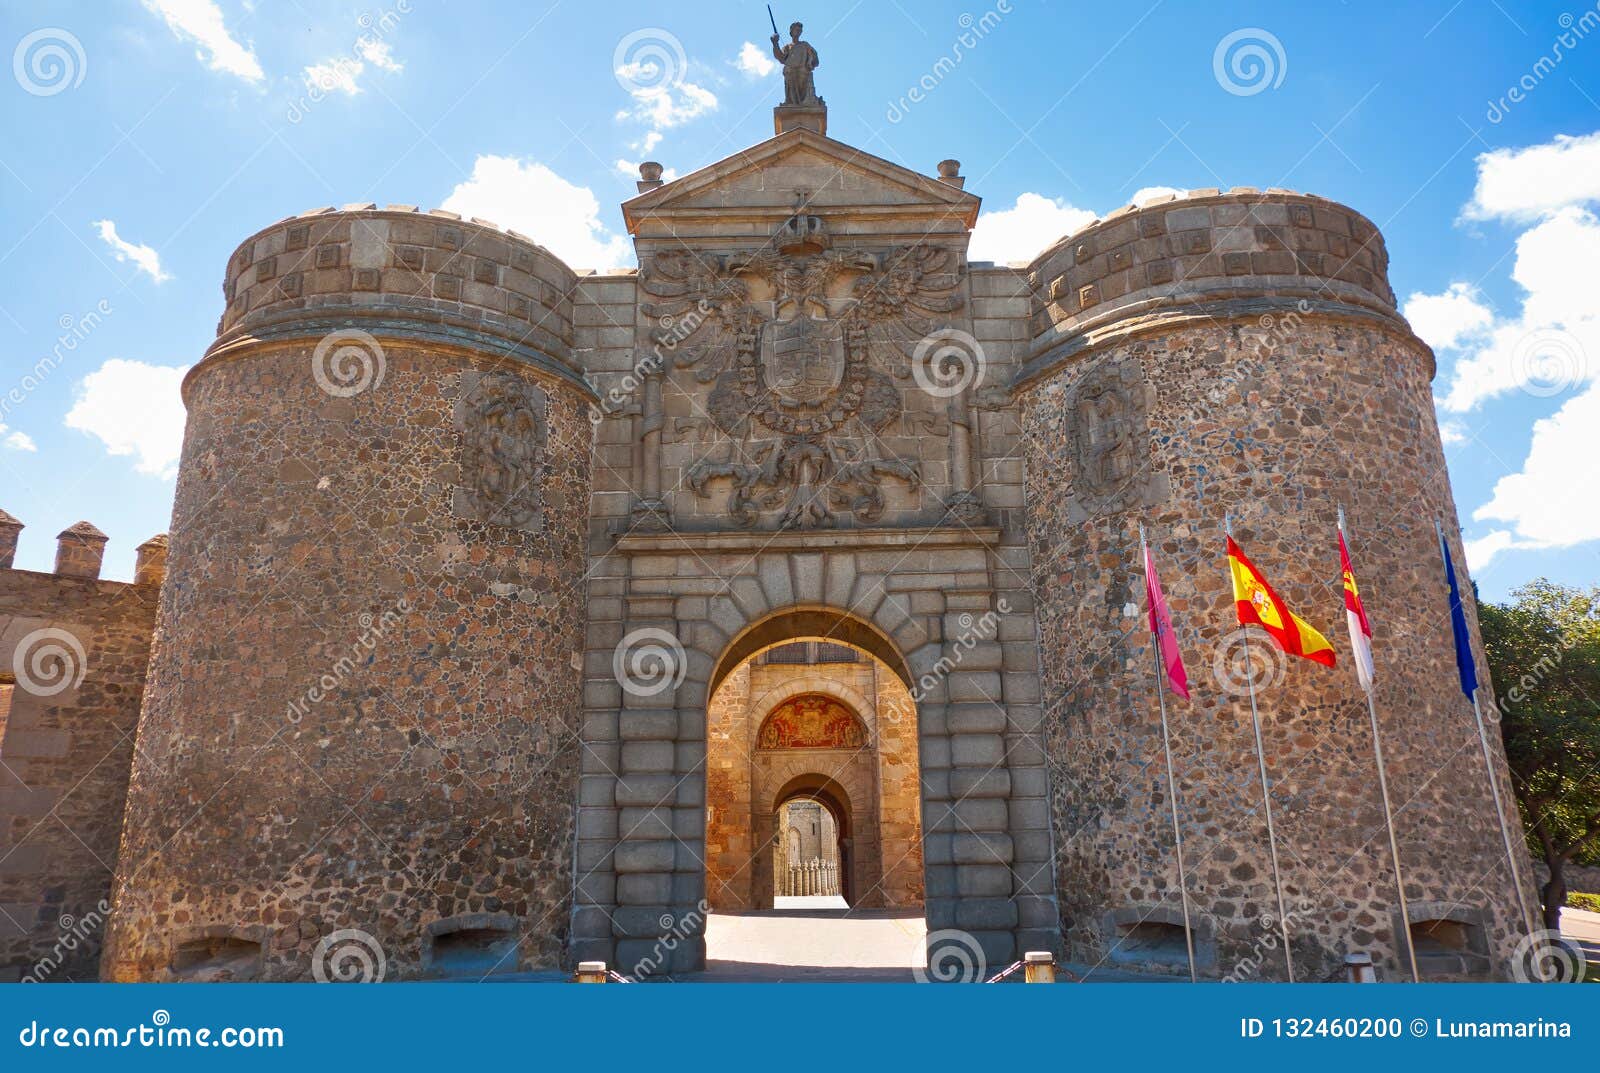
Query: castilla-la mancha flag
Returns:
{"type": "Point", "coordinates": [1355, 615]}
{"type": "Point", "coordinates": [1257, 603]}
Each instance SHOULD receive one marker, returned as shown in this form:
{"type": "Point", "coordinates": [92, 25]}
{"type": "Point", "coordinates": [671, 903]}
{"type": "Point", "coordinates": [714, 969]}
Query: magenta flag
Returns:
{"type": "Point", "coordinates": [1161, 627]}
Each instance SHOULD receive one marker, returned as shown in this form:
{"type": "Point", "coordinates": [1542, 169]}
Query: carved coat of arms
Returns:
{"type": "Point", "coordinates": [501, 421]}
{"type": "Point", "coordinates": [811, 721]}
{"type": "Point", "coordinates": [1109, 430]}
{"type": "Point", "coordinates": [794, 345]}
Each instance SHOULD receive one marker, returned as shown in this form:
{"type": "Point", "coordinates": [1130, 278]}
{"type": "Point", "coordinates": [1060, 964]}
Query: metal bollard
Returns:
{"type": "Point", "coordinates": [1039, 967]}
{"type": "Point", "coordinates": [591, 972]}
{"type": "Point", "coordinates": [1358, 969]}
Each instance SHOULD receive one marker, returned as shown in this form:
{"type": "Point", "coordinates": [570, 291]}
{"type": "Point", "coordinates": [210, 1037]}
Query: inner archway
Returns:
{"type": "Point", "coordinates": [813, 803]}
{"type": "Point", "coordinates": [811, 852]}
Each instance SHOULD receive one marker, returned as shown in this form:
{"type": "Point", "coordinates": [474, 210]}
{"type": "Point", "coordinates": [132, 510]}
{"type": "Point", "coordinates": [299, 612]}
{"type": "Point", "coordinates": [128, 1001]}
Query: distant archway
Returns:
{"type": "Point", "coordinates": [832, 797]}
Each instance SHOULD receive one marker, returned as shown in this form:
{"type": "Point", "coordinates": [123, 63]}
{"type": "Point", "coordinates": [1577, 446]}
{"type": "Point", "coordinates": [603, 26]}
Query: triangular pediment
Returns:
{"type": "Point", "coordinates": [765, 180]}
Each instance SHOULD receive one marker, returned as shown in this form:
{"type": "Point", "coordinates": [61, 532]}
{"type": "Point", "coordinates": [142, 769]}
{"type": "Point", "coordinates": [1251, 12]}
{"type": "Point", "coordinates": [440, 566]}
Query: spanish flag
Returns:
{"type": "Point", "coordinates": [1257, 603]}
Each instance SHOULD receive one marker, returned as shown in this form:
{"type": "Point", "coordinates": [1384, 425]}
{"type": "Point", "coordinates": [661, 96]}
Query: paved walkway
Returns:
{"type": "Point", "coordinates": [813, 944]}
{"type": "Point", "coordinates": [1583, 928]}
{"type": "Point", "coordinates": [811, 901]}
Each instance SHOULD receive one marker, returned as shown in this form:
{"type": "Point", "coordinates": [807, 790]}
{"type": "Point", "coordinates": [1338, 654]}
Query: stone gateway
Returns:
{"type": "Point", "coordinates": [516, 616]}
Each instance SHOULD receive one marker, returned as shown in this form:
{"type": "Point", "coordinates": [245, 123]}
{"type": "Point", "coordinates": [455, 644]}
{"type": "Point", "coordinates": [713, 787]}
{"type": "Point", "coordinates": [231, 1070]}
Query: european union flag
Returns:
{"type": "Point", "coordinates": [1458, 624]}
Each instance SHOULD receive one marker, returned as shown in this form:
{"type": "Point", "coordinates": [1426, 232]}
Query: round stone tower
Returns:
{"type": "Point", "coordinates": [1240, 353]}
{"type": "Point", "coordinates": [358, 743]}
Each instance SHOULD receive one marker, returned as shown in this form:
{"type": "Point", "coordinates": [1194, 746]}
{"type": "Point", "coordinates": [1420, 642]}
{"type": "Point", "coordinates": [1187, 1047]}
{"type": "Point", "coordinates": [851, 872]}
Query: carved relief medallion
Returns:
{"type": "Point", "coordinates": [501, 422]}
{"type": "Point", "coordinates": [1110, 440]}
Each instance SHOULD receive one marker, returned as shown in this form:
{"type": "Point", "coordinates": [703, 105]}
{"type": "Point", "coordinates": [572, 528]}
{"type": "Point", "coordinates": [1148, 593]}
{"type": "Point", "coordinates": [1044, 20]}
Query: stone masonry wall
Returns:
{"type": "Point", "coordinates": [1278, 418]}
{"type": "Point", "coordinates": [364, 699]}
{"type": "Point", "coordinates": [73, 653]}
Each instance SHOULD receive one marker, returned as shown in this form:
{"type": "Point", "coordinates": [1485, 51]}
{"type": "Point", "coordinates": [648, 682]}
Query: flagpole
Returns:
{"type": "Point", "coordinates": [1172, 782]}
{"type": "Point", "coordinates": [1494, 784]}
{"type": "Point", "coordinates": [1388, 818]}
{"type": "Point", "coordinates": [1266, 793]}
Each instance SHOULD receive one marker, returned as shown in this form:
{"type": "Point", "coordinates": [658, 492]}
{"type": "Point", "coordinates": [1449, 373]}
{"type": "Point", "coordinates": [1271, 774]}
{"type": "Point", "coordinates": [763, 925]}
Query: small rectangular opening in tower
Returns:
{"type": "Point", "coordinates": [475, 952]}
{"type": "Point", "coordinates": [217, 958]}
{"type": "Point", "coordinates": [1152, 941]}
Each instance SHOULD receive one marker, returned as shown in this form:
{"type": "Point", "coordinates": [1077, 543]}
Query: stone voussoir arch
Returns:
{"type": "Point", "coordinates": [744, 624]}
{"type": "Point", "coordinates": [643, 801]}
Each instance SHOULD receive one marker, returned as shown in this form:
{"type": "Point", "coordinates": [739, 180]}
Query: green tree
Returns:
{"type": "Point", "coordinates": [1544, 659]}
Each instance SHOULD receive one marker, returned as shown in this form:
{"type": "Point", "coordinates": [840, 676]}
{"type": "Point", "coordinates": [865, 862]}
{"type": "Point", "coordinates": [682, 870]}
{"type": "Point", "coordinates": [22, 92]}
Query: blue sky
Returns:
{"type": "Point", "coordinates": [144, 140]}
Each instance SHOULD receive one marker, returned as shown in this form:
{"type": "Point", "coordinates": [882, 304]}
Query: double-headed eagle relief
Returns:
{"type": "Point", "coordinates": [802, 345]}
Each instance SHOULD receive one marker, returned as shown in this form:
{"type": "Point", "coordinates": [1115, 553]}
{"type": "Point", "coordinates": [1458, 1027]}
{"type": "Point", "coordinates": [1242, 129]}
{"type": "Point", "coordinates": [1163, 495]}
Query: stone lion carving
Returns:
{"type": "Point", "coordinates": [501, 420]}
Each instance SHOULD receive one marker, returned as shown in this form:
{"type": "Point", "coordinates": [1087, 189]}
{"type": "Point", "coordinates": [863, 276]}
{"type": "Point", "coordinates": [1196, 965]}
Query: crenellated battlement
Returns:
{"type": "Point", "coordinates": [80, 550]}
{"type": "Point", "coordinates": [397, 270]}
{"type": "Point", "coordinates": [1246, 251]}
{"type": "Point", "coordinates": [74, 648]}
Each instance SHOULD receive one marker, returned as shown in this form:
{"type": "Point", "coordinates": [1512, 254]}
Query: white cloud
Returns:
{"type": "Point", "coordinates": [1145, 193]}
{"type": "Point", "coordinates": [1554, 502]}
{"type": "Point", "coordinates": [1022, 231]}
{"type": "Point", "coordinates": [654, 74]}
{"type": "Point", "coordinates": [1452, 433]}
{"type": "Point", "coordinates": [134, 409]}
{"type": "Point", "coordinates": [343, 73]}
{"type": "Point", "coordinates": [144, 258]}
{"type": "Point", "coordinates": [17, 441]}
{"type": "Point", "coordinates": [377, 53]}
{"type": "Point", "coordinates": [754, 61]}
{"type": "Point", "coordinates": [337, 74]}
{"type": "Point", "coordinates": [1481, 552]}
{"type": "Point", "coordinates": [1443, 320]}
{"type": "Point", "coordinates": [665, 107]}
{"type": "Point", "coordinates": [201, 21]}
{"type": "Point", "coordinates": [1554, 343]}
{"type": "Point", "coordinates": [1550, 348]}
{"type": "Point", "coordinates": [528, 197]}
{"type": "Point", "coordinates": [1524, 184]}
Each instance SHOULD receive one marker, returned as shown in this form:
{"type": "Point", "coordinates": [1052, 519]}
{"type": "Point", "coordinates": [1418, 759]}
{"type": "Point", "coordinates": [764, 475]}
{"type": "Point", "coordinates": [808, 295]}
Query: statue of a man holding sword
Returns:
{"type": "Point", "coordinates": [799, 59]}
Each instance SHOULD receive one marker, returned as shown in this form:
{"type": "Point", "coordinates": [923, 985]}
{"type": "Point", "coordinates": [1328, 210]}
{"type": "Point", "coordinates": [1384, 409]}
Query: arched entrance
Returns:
{"type": "Point", "coordinates": [812, 717]}
{"type": "Point", "coordinates": [691, 620]}
{"type": "Point", "coordinates": [813, 798]}
{"type": "Point", "coordinates": [811, 854]}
